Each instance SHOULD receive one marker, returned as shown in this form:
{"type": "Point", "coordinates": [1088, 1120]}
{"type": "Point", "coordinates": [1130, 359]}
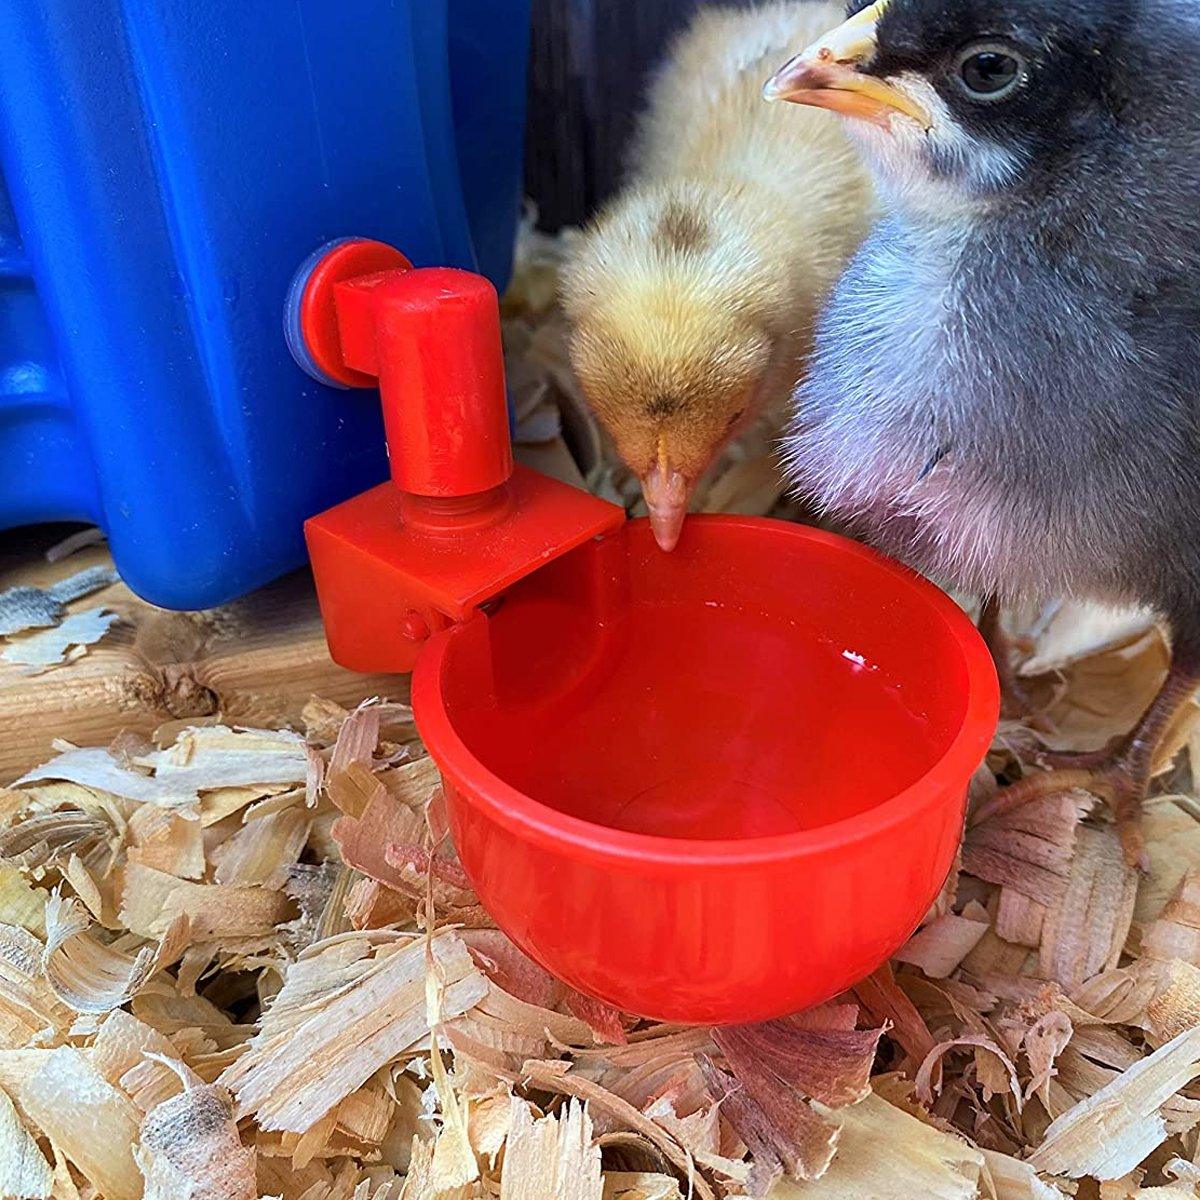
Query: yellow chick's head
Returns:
{"type": "Point", "coordinates": [673, 302]}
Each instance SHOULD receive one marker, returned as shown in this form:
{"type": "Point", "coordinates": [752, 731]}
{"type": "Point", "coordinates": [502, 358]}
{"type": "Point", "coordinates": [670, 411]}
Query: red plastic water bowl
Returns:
{"type": "Point", "coordinates": [712, 786]}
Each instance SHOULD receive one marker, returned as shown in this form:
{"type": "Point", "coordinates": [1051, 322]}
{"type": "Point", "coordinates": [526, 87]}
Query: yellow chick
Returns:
{"type": "Point", "coordinates": [692, 296]}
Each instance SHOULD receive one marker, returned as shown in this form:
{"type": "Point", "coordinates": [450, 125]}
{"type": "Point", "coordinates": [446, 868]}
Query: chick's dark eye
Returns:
{"type": "Point", "coordinates": [989, 73]}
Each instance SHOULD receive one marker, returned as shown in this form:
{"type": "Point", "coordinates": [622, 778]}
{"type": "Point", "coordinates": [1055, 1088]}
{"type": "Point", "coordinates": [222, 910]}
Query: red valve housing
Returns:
{"type": "Point", "coordinates": [458, 522]}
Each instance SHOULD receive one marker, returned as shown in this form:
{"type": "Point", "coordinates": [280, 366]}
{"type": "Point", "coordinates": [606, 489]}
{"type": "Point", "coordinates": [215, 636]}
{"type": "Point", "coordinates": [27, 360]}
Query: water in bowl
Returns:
{"type": "Point", "coordinates": [708, 721]}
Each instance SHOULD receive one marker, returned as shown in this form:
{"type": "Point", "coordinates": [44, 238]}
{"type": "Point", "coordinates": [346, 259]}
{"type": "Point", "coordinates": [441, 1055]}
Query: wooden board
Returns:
{"type": "Point", "coordinates": [255, 661]}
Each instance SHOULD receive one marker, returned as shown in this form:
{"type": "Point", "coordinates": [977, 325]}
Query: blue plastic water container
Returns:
{"type": "Point", "coordinates": [165, 166]}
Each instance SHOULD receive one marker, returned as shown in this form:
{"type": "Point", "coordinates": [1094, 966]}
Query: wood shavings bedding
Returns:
{"type": "Point", "coordinates": [330, 1045]}
{"type": "Point", "coordinates": [238, 964]}
{"type": "Point", "coordinates": [788, 1108]}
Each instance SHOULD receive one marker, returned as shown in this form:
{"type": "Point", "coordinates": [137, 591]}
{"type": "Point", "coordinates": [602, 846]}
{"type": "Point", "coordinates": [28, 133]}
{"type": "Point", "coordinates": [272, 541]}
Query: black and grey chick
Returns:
{"type": "Point", "coordinates": [1005, 390]}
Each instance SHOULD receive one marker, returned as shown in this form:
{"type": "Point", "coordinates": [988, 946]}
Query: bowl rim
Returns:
{"type": "Point", "coordinates": [524, 816]}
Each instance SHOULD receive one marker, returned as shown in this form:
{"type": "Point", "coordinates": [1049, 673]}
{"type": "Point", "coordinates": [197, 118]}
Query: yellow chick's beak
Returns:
{"type": "Point", "coordinates": [666, 492]}
{"type": "Point", "coordinates": [828, 75]}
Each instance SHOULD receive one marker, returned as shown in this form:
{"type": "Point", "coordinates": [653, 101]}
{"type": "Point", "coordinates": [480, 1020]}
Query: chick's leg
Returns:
{"type": "Point", "coordinates": [1014, 700]}
{"type": "Point", "coordinates": [1123, 777]}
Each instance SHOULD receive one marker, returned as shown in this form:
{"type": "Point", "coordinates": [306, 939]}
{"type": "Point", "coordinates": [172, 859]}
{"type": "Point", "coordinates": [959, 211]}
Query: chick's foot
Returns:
{"type": "Point", "coordinates": [1122, 782]}
{"type": "Point", "coordinates": [1086, 760]}
{"type": "Point", "coordinates": [1118, 775]}
{"type": "Point", "coordinates": [1015, 700]}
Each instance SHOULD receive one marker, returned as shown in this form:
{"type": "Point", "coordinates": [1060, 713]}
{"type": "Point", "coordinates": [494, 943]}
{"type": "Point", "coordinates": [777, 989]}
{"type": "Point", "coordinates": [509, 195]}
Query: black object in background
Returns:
{"type": "Point", "coordinates": [587, 72]}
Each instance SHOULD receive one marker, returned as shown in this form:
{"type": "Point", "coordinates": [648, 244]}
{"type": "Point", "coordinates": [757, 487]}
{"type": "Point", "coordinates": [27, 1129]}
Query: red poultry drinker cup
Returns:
{"type": "Point", "coordinates": [716, 785]}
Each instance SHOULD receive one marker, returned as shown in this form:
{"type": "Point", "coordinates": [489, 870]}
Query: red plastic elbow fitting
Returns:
{"type": "Point", "coordinates": [432, 338]}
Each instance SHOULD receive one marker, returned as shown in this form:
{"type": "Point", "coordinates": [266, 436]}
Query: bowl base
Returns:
{"type": "Point", "coordinates": [688, 806]}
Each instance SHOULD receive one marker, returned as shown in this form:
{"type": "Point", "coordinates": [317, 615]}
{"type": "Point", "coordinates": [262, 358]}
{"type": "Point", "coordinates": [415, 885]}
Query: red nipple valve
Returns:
{"type": "Point", "coordinates": [432, 338]}
{"type": "Point", "coordinates": [401, 561]}
{"type": "Point", "coordinates": [430, 341]}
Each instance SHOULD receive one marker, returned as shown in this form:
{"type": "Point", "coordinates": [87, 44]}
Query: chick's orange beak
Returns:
{"type": "Point", "coordinates": [828, 75]}
{"type": "Point", "coordinates": [666, 492]}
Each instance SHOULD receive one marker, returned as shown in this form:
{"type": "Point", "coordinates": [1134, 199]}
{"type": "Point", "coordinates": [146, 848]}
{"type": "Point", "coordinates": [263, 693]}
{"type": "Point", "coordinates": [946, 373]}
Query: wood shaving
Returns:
{"type": "Point", "coordinates": [25, 608]}
{"type": "Point", "coordinates": [1104, 692]}
{"type": "Point", "coordinates": [1086, 928]}
{"type": "Point", "coordinates": [74, 542]}
{"type": "Point", "coordinates": [1161, 997]}
{"type": "Point", "coordinates": [262, 852]}
{"type": "Point", "coordinates": [885, 1154]}
{"type": "Point", "coordinates": [1172, 835]}
{"type": "Point", "coordinates": [1108, 1134]}
{"type": "Point", "coordinates": [68, 639]}
{"type": "Point", "coordinates": [1011, 1179]}
{"type": "Point", "coordinates": [887, 1003]}
{"type": "Point", "coordinates": [170, 840]}
{"type": "Point", "coordinates": [190, 1149]}
{"type": "Point", "coordinates": [97, 769]}
{"type": "Point", "coordinates": [786, 1136]}
{"type": "Point", "coordinates": [216, 756]}
{"type": "Point", "coordinates": [1176, 932]}
{"type": "Point", "coordinates": [152, 900]}
{"type": "Point", "coordinates": [24, 1172]}
{"type": "Point", "coordinates": [556, 1077]}
{"type": "Point", "coordinates": [364, 840]}
{"type": "Point", "coordinates": [1042, 1043]}
{"type": "Point", "coordinates": [640, 1185]}
{"type": "Point", "coordinates": [1063, 633]}
{"type": "Point", "coordinates": [30, 1012]}
{"type": "Point", "coordinates": [940, 947]}
{"type": "Point", "coordinates": [353, 1008]}
{"type": "Point", "coordinates": [553, 1158]}
{"type": "Point", "coordinates": [832, 1066]}
{"type": "Point", "coordinates": [997, 1073]}
{"type": "Point", "coordinates": [1029, 849]}
{"type": "Point", "coordinates": [1019, 920]}
{"type": "Point", "coordinates": [91, 1121]}
{"type": "Point", "coordinates": [92, 976]}
{"type": "Point", "coordinates": [21, 904]}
